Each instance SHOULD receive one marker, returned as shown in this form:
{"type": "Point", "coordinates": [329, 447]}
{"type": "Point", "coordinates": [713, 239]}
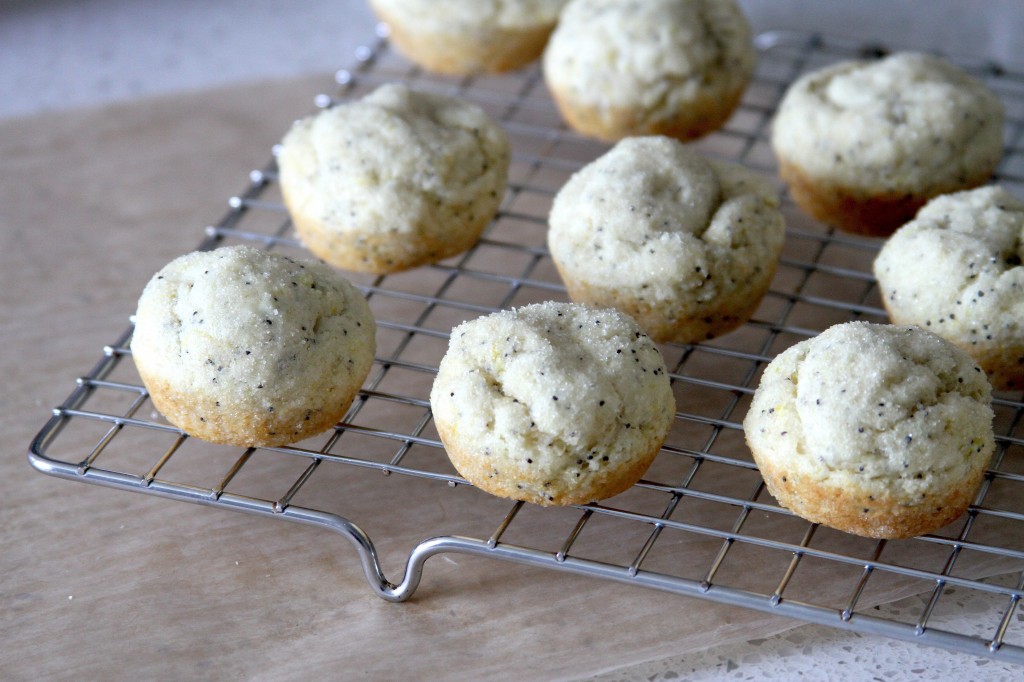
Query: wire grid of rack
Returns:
{"type": "Point", "coordinates": [701, 522]}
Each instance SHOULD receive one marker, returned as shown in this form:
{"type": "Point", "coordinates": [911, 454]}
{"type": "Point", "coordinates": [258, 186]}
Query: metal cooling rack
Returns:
{"type": "Point", "coordinates": [700, 523]}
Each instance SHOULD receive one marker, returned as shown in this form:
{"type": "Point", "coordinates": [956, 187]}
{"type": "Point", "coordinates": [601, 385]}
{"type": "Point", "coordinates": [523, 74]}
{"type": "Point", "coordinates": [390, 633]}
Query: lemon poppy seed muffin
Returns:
{"type": "Point", "coordinates": [864, 144]}
{"type": "Point", "coordinates": [642, 67]}
{"type": "Point", "coordinates": [462, 37]}
{"type": "Point", "coordinates": [245, 347]}
{"type": "Point", "coordinates": [956, 270]}
{"type": "Point", "coordinates": [552, 403]}
{"type": "Point", "coordinates": [686, 245]}
{"type": "Point", "coordinates": [877, 430]}
{"type": "Point", "coordinates": [394, 180]}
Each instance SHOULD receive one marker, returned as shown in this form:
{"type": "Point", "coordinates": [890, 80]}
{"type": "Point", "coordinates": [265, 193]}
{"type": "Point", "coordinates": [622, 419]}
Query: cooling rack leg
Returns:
{"type": "Point", "coordinates": [417, 558]}
{"type": "Point", "coordinates": [364, 548]}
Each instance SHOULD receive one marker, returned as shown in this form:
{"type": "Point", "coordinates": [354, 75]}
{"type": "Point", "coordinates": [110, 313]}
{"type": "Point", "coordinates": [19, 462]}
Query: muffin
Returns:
{"type": "Point", "coordinates": [668, 67]}
{"type": "Point", "coordinates": [956, 270]}
{"type": "Point", "coordinates": [552, 403]}
{"type": "Point", "coordinates": [877, 430]}
{"type": "Point", "coordinates": [244, 347]}
{"type": "Point", "coordinates": [395, 180]}
{"type": "Point", "coordinates": [864, 144]}
{"type": "Point", "coordinates": [686, 245]}
{"type": "Point", "coordinates": [461, 37]}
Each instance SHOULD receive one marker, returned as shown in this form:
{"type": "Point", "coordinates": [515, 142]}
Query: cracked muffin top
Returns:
{"type": "Point", "coordinates": [876, 429]}
{"type": "Point", "coordinates": [246, 347]}
{"type": "Point", "coordinates": [553, 403]}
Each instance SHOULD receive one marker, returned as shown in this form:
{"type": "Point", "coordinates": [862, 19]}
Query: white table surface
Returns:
{"type": "Point", "coordinates": [59, 54]}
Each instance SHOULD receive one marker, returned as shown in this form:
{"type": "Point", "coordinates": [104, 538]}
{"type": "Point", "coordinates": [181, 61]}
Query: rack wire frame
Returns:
{"type": "Point", "coordinates": [703, 492]}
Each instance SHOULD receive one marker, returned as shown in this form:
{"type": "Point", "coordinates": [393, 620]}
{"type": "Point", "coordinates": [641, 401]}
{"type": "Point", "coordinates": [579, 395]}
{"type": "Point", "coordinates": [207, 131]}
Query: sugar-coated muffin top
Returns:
{"type": "Point", "coordinates": [654, 54]}
{"type": "Point", "coordinates": [904, 123]}
{"type": "Point", "coordinates": [380, 156]}
{"type": "Point", "coordinates": [956, 270]}
{"type": "Point", "coordinates": [395, 162]}
{"type": "Point", "coordinates": [553, 396]}
{"type": "Point", "coordinates": [655, 217]}
{"type": "Point", "coordinates": [894, 410]}
{"type": "Point", "coordinates": [244, 331]}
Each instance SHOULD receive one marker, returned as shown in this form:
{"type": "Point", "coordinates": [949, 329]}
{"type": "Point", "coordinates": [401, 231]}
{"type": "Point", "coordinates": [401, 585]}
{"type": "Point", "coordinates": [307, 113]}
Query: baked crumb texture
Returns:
{"type": "Point", "coordinates": [685, 245]}
{"type": "Point", "coordinates": [864, 144]}
{"type": "Point", "coordinates": [641, 67]}
{"type": "Point", "coordinates": [956, 270]}
{"type": "Point", "coordinates": [552, 403]}
{"type": "Point", "coordinates": [244, 347]}
{"type": "Point", "coordinates": [395, 180]}
{"type": "Point", "coordinates": [461, 37]}
{"type": "Point", "coordinates": [877, 430]}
